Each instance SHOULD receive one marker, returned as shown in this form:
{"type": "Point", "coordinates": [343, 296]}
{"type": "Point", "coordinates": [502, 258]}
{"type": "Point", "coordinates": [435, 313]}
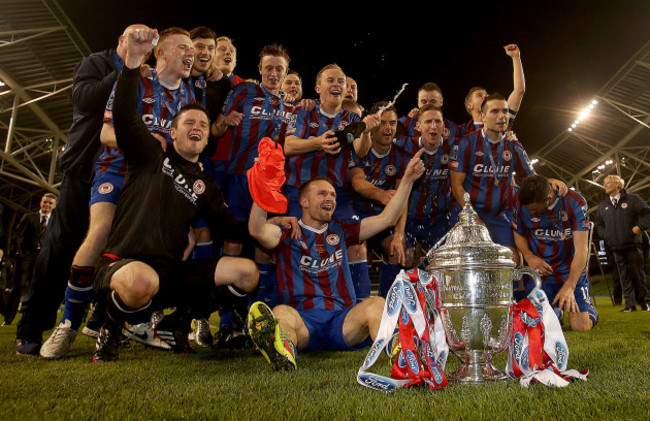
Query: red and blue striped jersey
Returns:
{"type": "Point", "coordinates": [431, 194]}
{"type": "Point", "coordinates": [313, 271]}
{"type": "Point", "coordinates": [265, 115]}
{"type": "Point", "coordinates": [489, 168]}
{"type": "Point", "coordinates": [157, 106]}
{"type": "Point", "coordinates": [303, 167]}
{"type": "Point", "coordinates": [382, 171]}
{"type": "Point", "coordinates": [550, 235]}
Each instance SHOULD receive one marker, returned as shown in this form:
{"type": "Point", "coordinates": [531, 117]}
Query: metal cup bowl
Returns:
{"type": "Point", "coordinates": [475, 278]}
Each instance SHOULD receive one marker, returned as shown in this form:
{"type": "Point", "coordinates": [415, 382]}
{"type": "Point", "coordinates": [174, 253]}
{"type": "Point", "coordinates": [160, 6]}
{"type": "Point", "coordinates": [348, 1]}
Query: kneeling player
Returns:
{"type": "Point", "coordinates": [319, 310]}
{"type": "Point", "coordinates": [165, 191]}
{"type": "Point", "coordinates": [551, 232]}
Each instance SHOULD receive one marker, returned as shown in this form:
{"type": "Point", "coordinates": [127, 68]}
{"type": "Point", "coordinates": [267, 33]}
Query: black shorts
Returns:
{"type": "Point", "coordinates": [180, 282]}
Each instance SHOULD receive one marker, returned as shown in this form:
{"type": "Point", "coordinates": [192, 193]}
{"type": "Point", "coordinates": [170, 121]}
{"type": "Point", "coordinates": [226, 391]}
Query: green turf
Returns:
{"type": "Point", "coordinates": [152, 384]}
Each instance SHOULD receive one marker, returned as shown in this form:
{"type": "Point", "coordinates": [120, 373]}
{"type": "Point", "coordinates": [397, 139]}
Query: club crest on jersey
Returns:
{"type": "Point", "coordinates": [391, 170]}
{"type": "Point", "coordinates": [333, 239]}
{"type": "Point", "coordinates": [198, 187]}
{"type": "Point", "coordinates": [444, 159]}
{"type": "Point", "coordinates": [507, 155]}
{"type": "Point", "coordinates": [105, 188]}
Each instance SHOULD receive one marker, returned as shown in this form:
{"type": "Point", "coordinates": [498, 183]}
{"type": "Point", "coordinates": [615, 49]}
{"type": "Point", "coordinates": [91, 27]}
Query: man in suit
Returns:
{"type": "Point", "coordinates": [29, 235]}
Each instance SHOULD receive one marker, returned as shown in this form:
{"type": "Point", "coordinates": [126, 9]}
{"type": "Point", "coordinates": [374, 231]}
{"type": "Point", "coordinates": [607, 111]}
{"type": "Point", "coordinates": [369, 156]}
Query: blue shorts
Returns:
{"type": "Point", "coordinates": [500, 228]}
{"type": "Point", "coordinates": [581, 293]}
{"type": "Point", "coordinates": [107, 186]}
{"type": "Point", "coordinates": [238, 196]}
{"type": "Point", "coordinates": [429, 231]}
{"type": "Point", "coordinates": [344, 209]}
{"type": "Point", "coordinates": [326, 330]}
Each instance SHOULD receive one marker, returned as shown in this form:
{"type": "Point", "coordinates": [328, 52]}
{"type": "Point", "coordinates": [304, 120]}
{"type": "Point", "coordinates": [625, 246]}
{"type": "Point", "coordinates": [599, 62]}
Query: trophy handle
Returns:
{"type": "Point", "coordinates": [529, 271]}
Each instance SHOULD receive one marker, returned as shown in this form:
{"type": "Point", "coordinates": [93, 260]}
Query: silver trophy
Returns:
{"type": "Point", "coordinates": [475, 279]}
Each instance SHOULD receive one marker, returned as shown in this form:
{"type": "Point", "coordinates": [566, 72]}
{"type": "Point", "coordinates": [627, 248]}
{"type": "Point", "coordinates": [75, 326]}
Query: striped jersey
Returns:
{"type": "Point", "coordinates": [265, 115]}
{"type": "Point", "coordinates": [431, 194]}
{"type": "Point", "coordinates": [382, 171]}
{"type": "Point", "coordinates": [489, 168]}
{"type": "Point", "coordinates": [313, 271]}
{"type": "Point", "coordinates": [303, 167]}
{"type": "Point", "coordinates": [550, 235]}
{"type": "Point", "coordinates": [157, 105]}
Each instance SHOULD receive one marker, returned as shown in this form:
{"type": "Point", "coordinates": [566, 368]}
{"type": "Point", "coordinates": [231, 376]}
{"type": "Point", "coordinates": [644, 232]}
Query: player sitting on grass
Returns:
{"type": "Point", "coordinates": [319, 310]}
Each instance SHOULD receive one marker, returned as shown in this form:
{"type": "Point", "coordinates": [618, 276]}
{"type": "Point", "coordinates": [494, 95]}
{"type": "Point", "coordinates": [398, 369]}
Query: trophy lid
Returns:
{"type": "Point", "coordinates": [469, 244]}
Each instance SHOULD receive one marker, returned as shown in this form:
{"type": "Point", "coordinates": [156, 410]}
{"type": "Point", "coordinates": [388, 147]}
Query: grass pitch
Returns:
{"type": "Point", "coordinates": [239, 385]}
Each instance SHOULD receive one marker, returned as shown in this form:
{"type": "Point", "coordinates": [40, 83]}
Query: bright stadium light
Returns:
{"type": "Point", "coordinates": [583, 115]}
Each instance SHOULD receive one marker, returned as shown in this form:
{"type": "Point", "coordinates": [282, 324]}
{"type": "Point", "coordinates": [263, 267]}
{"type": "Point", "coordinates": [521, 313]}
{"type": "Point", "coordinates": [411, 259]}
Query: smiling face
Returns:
{"type": "Point", "coordinates": [190, 133]}
{"type": "Point", "coordinates": [331, 86]}
{"type": "Point", "coordinates": [176, 55]}
{"type": "Point", "coordinates": [292, 85]}
{"type": "Point", "coordinates": [318, 203]}
{"type": "Point", "coordinates": [47, 204]}
{"type": "Point", "coordinates": [273, 70]}
{"type": "Point", "coordinates": [225, 57]}
{"type": "Point", "coordinates": [204, 49]}
{"type": "Point", "coordinates": [383, 135]}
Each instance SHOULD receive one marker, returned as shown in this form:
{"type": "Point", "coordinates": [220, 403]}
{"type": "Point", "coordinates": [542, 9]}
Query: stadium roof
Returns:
{"type": "Point", "coordinates": [612, 137]}
{"type": "Point", "coordinates": [39, 49]}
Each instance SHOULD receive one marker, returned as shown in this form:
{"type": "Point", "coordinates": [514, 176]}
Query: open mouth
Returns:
{"type": "Point", "coordinates": [204, 60]}
{"type": "Point", "coordinates": [328, 207]}
{"type": "Point", "coordinates": [195, 137]}
{"type": "Point", "coordinates": [187, 63]}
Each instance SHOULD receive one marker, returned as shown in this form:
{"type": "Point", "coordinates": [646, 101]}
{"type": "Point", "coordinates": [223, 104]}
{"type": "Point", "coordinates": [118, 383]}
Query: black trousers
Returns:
{"type": "Point", "coordinates": [22, 280]}
{"type": "Point", "coordinates": [631, 271]}
{"type": "Point", "coordinates": [65, 233]}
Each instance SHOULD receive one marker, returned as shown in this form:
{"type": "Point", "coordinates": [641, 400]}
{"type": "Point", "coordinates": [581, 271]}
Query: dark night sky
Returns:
{"type": "Point", "coordinates": [569, 49]}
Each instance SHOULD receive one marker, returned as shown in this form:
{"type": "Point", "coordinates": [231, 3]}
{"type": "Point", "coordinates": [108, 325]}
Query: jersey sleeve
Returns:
{"type": "Point", "coordinates": [459, 157]}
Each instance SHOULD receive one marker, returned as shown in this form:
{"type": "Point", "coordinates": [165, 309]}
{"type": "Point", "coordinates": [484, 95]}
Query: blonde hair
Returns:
{"type": "Point", "coordinates": [615, 178]}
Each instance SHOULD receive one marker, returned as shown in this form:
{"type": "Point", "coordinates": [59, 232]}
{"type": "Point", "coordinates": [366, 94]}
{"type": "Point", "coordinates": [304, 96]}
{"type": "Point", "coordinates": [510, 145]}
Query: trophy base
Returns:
{"type": "Point", "coordinates": [476, 373]}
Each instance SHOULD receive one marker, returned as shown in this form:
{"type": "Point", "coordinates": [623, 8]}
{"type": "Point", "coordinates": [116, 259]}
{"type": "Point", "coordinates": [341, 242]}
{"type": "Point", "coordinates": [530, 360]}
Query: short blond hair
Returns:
{"type": "Point", "coordinates": [616, 179]}
{"type": "Point", "coordinates": [328, 67]}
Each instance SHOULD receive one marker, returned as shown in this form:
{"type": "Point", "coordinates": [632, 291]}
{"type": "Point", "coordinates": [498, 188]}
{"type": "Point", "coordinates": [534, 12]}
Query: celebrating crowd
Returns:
{"type": "Point", "coordinates": [161, 220]}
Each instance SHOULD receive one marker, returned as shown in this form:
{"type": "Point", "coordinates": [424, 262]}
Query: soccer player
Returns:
{"type": "Point", "coordinates": [313, 149]}
{"type": "Point", "coordinates": [429, 93]}
{"type": "Point", "coordinates": [476, 95]}
{"type": "Point", "coordinates": [163, 188]}
{"type": "Point", "coordinates": [292, 85]}
{"type": "Point", "coordinates": [252, 112]}
{"type": "Point", "coordinates": [226, 59]}
{"type": "Point", "coordinates": [160, 98]}
{"type": "Point", "coordinates": [552, 233]}
{"type": "Point", "coordinates": [352, 91]}
{"type": "Point", "coordinates": [431, 210]}
{"type": "Point", "coordinates": [383, 168]}
{"type": "Point", "coordinates": [484, 163]}
{"type": "Point", "coordinates": [319, 310]}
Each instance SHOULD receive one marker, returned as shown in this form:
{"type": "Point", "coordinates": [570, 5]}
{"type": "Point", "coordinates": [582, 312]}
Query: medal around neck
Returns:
{"type": "Point", "coordinates": [475, 278]}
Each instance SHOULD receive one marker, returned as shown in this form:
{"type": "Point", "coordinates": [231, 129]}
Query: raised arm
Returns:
{"type": "Point", "coordinates": [519, 84]}
{"type": "Point", "coordinates": [388, 217]}
{"type": "Point", "coordinates": [268, 235]}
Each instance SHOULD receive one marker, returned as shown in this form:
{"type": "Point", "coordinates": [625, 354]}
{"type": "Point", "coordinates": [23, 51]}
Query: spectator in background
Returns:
{"type": "Point", "coordinates": [29, 236]}
{"type": "Point", "coordinates": [621, 219]}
